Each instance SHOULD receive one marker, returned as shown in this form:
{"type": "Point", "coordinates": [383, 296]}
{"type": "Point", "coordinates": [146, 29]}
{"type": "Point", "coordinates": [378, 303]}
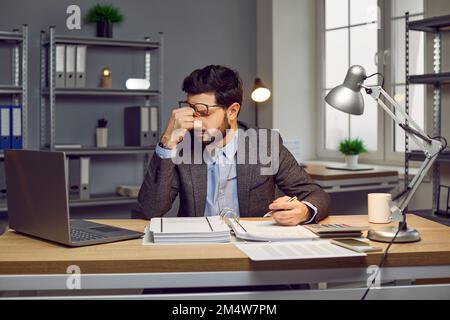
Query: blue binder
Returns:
{"type": "Point", "coordinates": [16, 127]}
{"type": "Point", "coordinates": [5, 127]}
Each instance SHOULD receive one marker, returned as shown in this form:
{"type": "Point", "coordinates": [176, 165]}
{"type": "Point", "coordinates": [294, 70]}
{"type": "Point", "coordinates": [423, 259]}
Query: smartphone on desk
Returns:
{"type": "Point", "coordinates": [355, 245]}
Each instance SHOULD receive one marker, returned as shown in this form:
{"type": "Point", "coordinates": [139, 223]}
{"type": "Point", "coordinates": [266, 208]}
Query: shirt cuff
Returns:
{"type": "Point", "coordinates": [313, 208]}
{"type": "Point", "coordinates": [164, 153]}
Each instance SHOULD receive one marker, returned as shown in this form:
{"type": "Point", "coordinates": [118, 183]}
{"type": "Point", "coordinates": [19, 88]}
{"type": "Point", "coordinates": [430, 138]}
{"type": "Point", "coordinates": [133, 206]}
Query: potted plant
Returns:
{"type": "Point", "coordinates": [101, 133]}
{"type": "Point", "coordinates": [351, 149]}
{"type": "Point", "coordinates": [104, 15]}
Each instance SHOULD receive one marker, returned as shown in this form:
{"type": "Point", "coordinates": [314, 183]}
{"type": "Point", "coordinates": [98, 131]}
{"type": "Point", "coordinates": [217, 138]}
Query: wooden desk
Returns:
{"type": "Point", "coordinates": [333, 180]}
{"type": "Point", "coordinates": [31, 264]}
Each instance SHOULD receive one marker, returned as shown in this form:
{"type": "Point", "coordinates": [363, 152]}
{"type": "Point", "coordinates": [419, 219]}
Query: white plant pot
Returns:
{"type": "Point", "coordinates": [351, 161]}
{"type": "Point", "coordinates": [102, 137]}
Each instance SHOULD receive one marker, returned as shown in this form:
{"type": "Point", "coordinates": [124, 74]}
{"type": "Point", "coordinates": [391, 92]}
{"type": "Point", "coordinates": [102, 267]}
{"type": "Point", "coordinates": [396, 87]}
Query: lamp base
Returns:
{"type": "Point", "coordinates": [386, 235]}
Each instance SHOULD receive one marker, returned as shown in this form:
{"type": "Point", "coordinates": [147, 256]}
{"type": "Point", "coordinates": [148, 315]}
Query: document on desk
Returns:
{"type": "Point", "coordinates": [299, 250]}
{"type": "Point", "coordinates": [188, 230]}
{"type": "Point", "coordinates": [269, 230]}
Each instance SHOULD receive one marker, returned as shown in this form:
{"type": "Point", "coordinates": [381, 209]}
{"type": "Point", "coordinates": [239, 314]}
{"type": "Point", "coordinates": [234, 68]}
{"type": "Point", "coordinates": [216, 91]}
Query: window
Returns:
{"type": "Point", "coordinates": [353, 34]}
{"type": "Point", "coordinates": [351, 37]}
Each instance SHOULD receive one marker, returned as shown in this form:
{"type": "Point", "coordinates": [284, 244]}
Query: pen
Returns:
{"type": "Point", "coordinates": [272, 211]}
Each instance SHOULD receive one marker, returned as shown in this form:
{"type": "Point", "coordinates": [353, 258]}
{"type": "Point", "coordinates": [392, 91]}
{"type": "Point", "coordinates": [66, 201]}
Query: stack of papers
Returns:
{"type": "Point", "coordinates": [295, 250]}
{"type": "Point", "coordinates": [269, 231]}
{"type": "Point", "coordinates": [189, 230]}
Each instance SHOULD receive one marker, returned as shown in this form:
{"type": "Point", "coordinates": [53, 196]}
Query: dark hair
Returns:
{"type": "Point", "coordinates": [224, 82]}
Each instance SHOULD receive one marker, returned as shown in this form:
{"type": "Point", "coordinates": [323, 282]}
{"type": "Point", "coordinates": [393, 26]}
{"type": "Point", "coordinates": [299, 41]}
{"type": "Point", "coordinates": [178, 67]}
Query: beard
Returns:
{"type": "Point", "coordinates": [215, 135]}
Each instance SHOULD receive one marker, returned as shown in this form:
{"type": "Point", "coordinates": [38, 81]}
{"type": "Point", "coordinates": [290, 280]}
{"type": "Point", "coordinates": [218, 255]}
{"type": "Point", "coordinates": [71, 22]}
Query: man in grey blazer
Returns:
{"type": "Point", "coordinates": [214, 162]}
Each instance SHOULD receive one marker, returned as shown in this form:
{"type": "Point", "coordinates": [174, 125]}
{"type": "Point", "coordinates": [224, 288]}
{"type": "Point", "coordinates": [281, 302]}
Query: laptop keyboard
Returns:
{"type": "Point", "coordinates": [78, 235]}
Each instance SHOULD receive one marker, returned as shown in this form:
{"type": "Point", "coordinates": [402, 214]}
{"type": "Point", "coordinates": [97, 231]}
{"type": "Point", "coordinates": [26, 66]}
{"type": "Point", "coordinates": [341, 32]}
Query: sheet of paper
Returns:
{"type": "Point", "coordinates": [270, 231]}
{"type": "Point", "coordinates": [316, 249]}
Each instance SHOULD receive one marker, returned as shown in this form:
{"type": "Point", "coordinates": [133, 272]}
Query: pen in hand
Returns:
{"type": "Point", "coordinates": [268, 214]}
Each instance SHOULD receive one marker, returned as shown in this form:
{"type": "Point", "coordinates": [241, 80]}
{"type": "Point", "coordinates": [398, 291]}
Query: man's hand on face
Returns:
{"type": "Point", "coordinates": [289, 213]}
{"type": "Point", "coordinates": [181, 120]}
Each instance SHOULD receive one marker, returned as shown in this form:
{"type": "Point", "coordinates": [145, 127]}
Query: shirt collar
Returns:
{"type": "Point", "coordinates": [229, 150]}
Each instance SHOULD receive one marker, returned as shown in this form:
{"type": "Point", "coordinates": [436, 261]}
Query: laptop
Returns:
{"type": "Point", "coordinates": [37, 195]}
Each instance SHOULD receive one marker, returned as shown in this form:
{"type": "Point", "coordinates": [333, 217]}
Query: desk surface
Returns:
{"type": "Point", "coordinates": [321, 173]}
{"type": "Point", "coordinates": [21, 254]}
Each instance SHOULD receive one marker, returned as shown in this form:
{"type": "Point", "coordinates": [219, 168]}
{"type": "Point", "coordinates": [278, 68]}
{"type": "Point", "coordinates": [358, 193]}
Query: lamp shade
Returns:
{"type": "Point", "coordinates": [260, 93]}
{"type": "Point", "coordinates": [347, 97]}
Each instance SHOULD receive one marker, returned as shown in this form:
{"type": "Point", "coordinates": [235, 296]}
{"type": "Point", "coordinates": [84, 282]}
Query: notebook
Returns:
{"type": "Point", "coordinates": [189, 230]}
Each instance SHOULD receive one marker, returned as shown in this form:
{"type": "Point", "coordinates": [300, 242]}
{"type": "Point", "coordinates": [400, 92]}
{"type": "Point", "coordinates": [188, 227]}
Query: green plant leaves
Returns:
{"type": "Point", "coordinates": [352, 147]}
{"type": "Point", "coordinates": [104, 13]}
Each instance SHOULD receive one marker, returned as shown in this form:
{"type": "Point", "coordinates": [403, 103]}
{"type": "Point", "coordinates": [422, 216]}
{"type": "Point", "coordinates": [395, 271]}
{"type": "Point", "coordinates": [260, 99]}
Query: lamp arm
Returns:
{"type": "Point", "coordinates": [430, 147]}
{"type": "Point", "coordinates": [376, 92]}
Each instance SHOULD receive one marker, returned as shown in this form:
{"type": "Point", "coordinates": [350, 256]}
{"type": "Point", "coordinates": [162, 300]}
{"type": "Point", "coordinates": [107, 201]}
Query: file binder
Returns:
{"type": "Point", "coordinates": [78, 172]}
{"type": "Point", "coordinates": [80, 71]}
{"type": "Point", "coordinates": [16, 127]}
{"type": "Point", "coordinates": [84, 177]}
{"type": "Point", "coordinates": [154, 125]}
{"type": "Point", "coordinates": [70, 66]}
{"type": "Point", "coordinates": [137, 127]}
{"type": "Point", "coordinates": [5, 130]}
{"type": "Point", "coordinates": [60, 80]}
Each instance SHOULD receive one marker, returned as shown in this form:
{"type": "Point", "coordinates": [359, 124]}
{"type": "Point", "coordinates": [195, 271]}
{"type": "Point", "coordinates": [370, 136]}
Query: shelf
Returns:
{"type": "Point", "coordinates": [101, 200]}
{"type": "Point", "coordinates": [433, 24]}
{"type": "Point", "coordinates": [7, 89]}
{"type": "Point", "coordinates": [419, 156]}
{"type": "Point", "coordinates": [3, 205]}
{"type": "Point", "coordinates": [101, 92]}
{"type": "Point", "coordinates": [107, 42]}
{"type": "Point", "coordinates": [431, 78]}
{"type": "Point", "coordinates": [106, 151]}
{"type": "Point", "coordinates": [11, 36]}
{"type": "Point", "coordinates": [95, 200]}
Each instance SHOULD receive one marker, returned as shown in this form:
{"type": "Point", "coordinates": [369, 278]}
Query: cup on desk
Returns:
{"type": "Point", "coordinates": [379, 207]}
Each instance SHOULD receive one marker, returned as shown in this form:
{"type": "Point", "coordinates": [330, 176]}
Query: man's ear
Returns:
{"type": "Point", "coordinates": [233, 111]}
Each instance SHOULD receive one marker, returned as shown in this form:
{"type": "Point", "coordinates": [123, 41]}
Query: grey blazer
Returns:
{"type": "Point", "coordinates": [164, 180]}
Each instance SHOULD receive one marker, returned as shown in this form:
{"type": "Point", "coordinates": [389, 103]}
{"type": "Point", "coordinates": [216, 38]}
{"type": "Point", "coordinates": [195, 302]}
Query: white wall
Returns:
{"type": "Point", "coordinates": [293, 106]}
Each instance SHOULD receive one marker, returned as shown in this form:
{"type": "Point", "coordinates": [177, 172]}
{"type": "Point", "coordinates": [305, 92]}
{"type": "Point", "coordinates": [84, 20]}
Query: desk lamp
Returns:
{"type": "Point", "coordinates": [348, 98]}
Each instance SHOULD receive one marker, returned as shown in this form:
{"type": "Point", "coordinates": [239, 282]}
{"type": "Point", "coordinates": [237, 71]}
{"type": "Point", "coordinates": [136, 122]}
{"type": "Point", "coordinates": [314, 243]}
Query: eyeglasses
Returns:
{"type": "Point", "coordinates": [201, 109]}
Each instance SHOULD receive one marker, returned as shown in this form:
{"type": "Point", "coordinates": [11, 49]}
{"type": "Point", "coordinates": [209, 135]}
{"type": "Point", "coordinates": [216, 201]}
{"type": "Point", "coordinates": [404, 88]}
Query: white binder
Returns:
{"type": "Point", "coordinates": [60, 66]}
{"type": "Point", "coordinates": [70, 66]}
{"type": "Point", "coordinates": [153, 125]}
{"type": "Point", "coordinates": [84, 178]}
{"type": "Point", "coordinates": [80, 71]}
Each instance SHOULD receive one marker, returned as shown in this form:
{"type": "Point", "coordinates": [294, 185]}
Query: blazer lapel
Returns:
{"type": "Point", "coordinates": [199, 178]}
{"type": "Point", "coordinates": [243, 184]}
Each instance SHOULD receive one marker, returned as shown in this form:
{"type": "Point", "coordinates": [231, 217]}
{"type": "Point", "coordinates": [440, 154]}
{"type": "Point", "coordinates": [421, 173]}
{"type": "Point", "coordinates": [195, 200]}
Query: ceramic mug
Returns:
{"type": "Point", "coordinates": [379, 207]}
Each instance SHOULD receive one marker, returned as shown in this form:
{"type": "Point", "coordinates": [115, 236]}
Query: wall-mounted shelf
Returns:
{"type": "Point", "coordinates": [10, 89]}
{"type": "Point", "coordinates": [101, 92]}
{"type": "Point", "coordinates": [431, 78]}
{"type": "Point", "coordinates": [444, 157]}
{"type": "Point", "coordinates": [434, 24]}
{"type": "Point", "coordinates": [107, 42]}
{"type": "Point", "coordinates": [11, 36]}
{"type": "Point", "coordinates": [106, 151]}
{"type": "Point", "coordinates": [95, 200]}
{"type": "Point", "coordinates": [102, 200]}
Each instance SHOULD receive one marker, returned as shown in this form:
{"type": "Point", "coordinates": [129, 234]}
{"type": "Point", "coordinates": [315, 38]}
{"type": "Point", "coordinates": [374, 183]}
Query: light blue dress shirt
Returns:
{"type": "Point", "coordinates": [222, 178]}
